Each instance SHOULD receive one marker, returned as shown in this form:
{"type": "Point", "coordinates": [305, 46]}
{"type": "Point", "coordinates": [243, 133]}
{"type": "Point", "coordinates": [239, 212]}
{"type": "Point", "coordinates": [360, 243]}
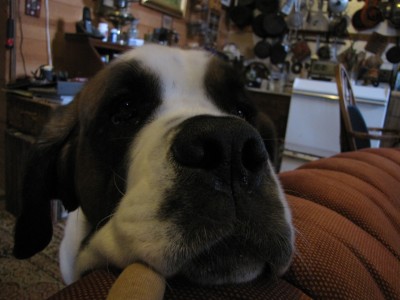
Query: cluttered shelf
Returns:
{"type": "Point", "coordinates": [96, 42]}
{"type": "Point", "coordinates": [84, 56]}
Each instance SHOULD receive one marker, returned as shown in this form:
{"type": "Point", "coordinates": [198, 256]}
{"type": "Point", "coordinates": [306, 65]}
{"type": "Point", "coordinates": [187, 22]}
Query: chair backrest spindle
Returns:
{"type": "Point", "coordinates": [346, 99]}
{"type": "Point", "coordinates": [354, 133]}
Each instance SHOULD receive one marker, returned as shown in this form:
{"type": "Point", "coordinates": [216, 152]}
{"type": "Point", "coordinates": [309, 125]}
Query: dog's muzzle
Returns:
{"type": "Point", "coordinates": [226, 203]}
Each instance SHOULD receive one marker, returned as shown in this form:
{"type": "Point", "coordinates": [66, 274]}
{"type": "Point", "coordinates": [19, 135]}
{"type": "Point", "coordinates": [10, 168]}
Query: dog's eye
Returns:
{"type": "Point", "coordinates": [125, 112]}
{"type": "Point", "coordinates": [240, 112]}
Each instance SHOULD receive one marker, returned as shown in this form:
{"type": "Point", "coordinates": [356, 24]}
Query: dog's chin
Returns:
{"type": "Point", "coordinates": [234, 260]}
{"type": "Point", "coordinates": [207, 269]}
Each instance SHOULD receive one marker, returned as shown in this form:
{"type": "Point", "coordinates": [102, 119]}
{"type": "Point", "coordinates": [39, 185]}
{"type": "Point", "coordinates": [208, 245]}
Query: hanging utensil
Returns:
{"type": "Point", "coordinates": [255, 73]}
{"type": "Point", "coordinates": [287, 7]}
{"type": "Point", "coordinates": [258, 26]}
{"type": "Point", "coordinates": [318, 21]}
{"type": "Point", "coordinates": [310, 4]}
{"type": "Point", "coordinates": [367, 17]}
{"type": "Point", "coordinates": [286, 41]}
{"type": "Point", "coordinates": [334, 49]}
{"type": "Point", "coordinates": [300, 51]}
{"type": "Point", "coordinates": [275, 25]}
{"type": "Point", "coordinates": [338, 26]}
{"type": "Point", "coordinates": [262, 49]}
{"type": "Point", "coordinates": [314, 56]}
{"type": "Point", "coordinates": [324, 52]}
{"type": "Point", "coordinates": [268, 6]}
{"type": "Point", "coordinates": [337, 6]}
{"type": "Point", "coordinates": [278, 53]}
{"type": "Point", "coordinates": [242, 13]}
{"type": "Point", "coordinates": [295, 19]}
{"type": "Point", "coordinates": [393, 54]}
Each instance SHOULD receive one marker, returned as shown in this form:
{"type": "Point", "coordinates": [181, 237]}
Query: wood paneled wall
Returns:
{"type": "Point", "coordinates": [63, 16]}
{"type": "Point", "coordinates": [31, 32]}
{"type": "Point", "coordinates": [4, 54]}
{"type": "Point", "coordinates": [30, 41]}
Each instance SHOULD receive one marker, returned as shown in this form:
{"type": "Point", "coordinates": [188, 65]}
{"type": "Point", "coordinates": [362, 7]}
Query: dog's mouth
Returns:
{"type": "Point", "coordinates": [240, 257]}
{"type": "Point", "coordinates": [229, 238]}
{"type": "Point", "coordinates": [225, 262]}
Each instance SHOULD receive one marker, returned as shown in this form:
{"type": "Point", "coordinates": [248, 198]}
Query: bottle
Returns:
{"type": "Point", "coordinates": [113, 37]}
{"type": "Point", "coordinates": [133, 33]}
{"type": "Point", "coordinates": [103, 29]}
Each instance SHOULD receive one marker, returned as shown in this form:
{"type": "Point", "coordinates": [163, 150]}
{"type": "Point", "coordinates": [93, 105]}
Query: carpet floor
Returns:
{"type": "Point", "coordinates": [35, 278]}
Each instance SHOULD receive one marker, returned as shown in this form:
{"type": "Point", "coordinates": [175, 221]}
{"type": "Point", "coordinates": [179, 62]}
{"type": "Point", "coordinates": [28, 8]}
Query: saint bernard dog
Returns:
{"type": "Point", "coordinates": [159, 160]}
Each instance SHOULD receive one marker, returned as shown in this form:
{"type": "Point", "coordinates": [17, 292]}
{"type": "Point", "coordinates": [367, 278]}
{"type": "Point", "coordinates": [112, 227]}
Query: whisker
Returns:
{"type": "Point", "coordinates": [103, 220]}
{"type": "Point", "coordinates": [122, 193]}
{"type": "Point", "coordinates": [167, 285]}
{"type": "Point", "coordinates": [119, 176]}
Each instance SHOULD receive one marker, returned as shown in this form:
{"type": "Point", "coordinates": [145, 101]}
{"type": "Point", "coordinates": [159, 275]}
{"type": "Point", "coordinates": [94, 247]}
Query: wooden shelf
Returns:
{"type": "Point", "coordinates": [97, 43]}
{"type": "Point", "coordinates": [83, 54]}
{"type": "Point", "coordinates": [359, 36]}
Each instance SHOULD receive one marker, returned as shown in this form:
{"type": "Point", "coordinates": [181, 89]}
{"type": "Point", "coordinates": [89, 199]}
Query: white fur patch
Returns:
{"type": "Point", "coordinates": [181, 73]}
{"type": "Point", "coordinates": [76, 229]}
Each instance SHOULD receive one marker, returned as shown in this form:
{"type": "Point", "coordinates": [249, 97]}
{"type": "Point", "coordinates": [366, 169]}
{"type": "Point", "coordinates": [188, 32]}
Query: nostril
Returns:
{"type": "Point", "coordinates": [202, 153]}
{"type": "Point", "coordinates": [228, 146]}
{"type": "Point", "coordinates": [254, 155]}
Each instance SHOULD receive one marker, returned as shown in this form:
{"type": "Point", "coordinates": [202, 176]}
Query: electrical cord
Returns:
{"type": "Point", "coordinates": [48, 41]}
{"type": "Point", "coordinates": [21, 33]}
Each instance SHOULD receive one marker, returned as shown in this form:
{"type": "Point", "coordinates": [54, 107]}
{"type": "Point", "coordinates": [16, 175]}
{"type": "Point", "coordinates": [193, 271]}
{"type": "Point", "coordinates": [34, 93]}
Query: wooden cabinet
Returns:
{"type": "Point", "coordinates": [276, 106]}
{"type": "Point", "coordinates": [84, 56]}
{"type": "Point", "coordinates": [25, 120]}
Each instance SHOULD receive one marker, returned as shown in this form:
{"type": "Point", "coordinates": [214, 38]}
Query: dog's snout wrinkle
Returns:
{"type": "Point", "coordinates": [223, 146]}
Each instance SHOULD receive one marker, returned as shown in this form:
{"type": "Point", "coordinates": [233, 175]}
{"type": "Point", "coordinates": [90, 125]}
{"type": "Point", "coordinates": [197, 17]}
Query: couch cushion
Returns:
{"type": "Point", "coordinates": [347, 217]}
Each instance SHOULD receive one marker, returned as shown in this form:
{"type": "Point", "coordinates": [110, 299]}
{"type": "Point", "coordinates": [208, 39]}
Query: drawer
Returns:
{"type": "Point", "coordinates": [28, 115]}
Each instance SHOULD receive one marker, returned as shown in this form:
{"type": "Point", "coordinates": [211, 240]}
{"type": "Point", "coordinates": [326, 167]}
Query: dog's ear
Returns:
{"type": "Point", "coordinates": [267, 130]}
{"type": "Point", "coordinates": [40, 184]}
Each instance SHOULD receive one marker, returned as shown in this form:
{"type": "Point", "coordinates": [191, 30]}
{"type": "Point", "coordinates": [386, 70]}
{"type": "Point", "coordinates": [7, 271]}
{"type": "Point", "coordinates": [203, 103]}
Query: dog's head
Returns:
{"type": "Point", "coordinates": [162, 154]}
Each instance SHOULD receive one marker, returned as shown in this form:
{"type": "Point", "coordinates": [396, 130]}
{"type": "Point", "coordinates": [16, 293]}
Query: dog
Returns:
{"type": "Point", "coordinates": [159, 160]}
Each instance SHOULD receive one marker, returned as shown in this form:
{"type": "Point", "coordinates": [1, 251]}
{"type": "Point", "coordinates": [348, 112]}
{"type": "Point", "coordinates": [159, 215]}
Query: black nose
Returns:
{"type": "Point", "coordinates": [226, 146]}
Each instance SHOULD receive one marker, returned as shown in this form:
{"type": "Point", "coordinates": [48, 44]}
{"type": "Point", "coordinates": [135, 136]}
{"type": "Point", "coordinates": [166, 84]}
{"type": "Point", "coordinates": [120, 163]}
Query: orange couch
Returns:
{"type": "Point", "coordinates": [346, 211]}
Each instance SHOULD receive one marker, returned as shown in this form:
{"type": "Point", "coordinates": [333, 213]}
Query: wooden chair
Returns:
{"type": "Point", "coordinates": [354, 133]}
